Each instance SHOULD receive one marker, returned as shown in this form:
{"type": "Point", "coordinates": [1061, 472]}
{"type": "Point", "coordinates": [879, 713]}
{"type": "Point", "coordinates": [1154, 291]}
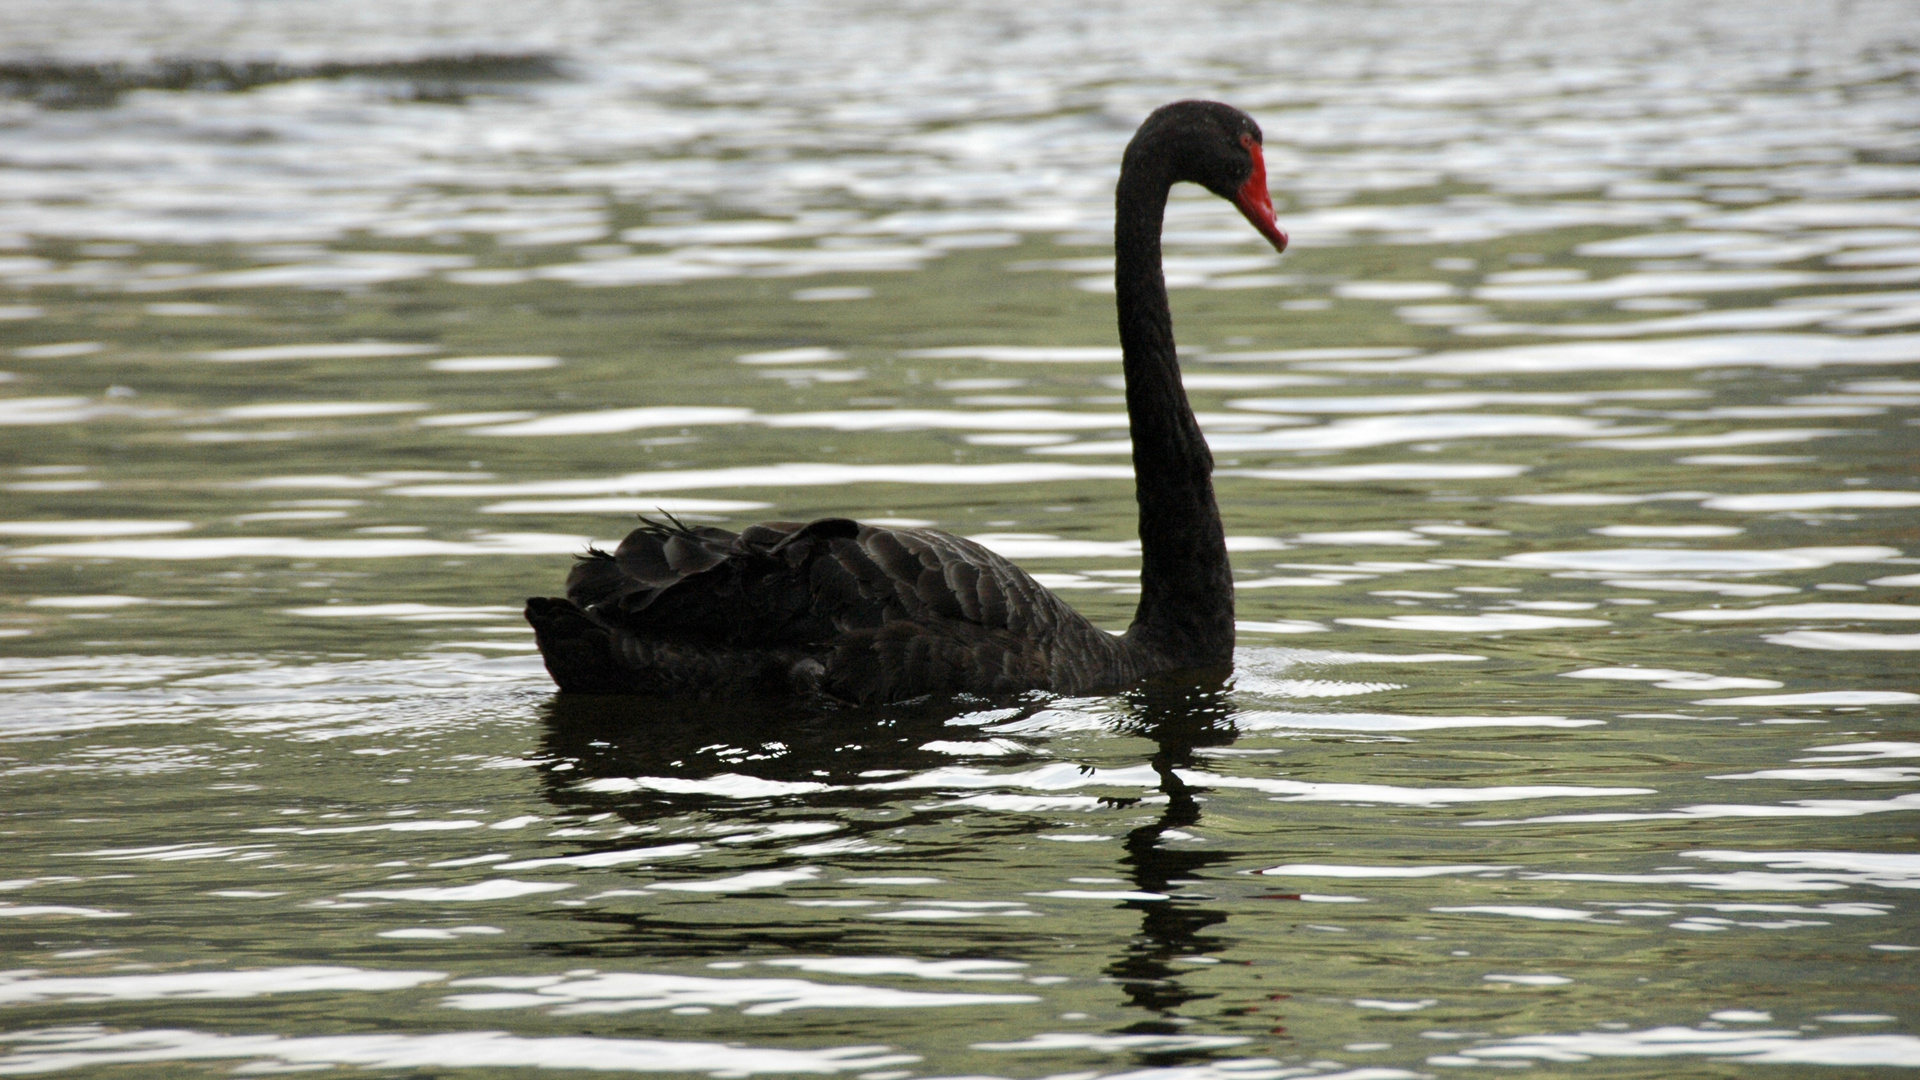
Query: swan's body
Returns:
{"type": "Point", "coordinates": [839, 610]}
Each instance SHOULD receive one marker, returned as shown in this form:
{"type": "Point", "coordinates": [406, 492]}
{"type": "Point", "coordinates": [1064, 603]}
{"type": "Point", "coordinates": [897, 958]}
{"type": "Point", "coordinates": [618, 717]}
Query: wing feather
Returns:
{"type": "Point", "coordinates": [886, 613]}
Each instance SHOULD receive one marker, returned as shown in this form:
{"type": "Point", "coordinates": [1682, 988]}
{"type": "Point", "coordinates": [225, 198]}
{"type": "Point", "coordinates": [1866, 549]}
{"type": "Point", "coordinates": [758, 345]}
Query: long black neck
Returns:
{"type": "Point", "coordinates": [1185, 618]}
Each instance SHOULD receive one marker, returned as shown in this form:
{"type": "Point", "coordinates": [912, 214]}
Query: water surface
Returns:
{"type": "Point", "coordinates": [1566, 462]}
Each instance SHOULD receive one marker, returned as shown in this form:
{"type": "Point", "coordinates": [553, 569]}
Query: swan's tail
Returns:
{"type": "Point", "coordinates": [578, 652]}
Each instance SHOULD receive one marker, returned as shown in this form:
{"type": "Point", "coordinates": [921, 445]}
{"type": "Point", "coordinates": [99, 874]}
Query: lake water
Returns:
{"type": "Point", "coordinates": [1568, 463]}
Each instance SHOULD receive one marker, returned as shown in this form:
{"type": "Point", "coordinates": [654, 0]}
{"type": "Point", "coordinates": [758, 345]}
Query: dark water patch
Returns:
{"type": "Point", "coordinates": [437, 79]}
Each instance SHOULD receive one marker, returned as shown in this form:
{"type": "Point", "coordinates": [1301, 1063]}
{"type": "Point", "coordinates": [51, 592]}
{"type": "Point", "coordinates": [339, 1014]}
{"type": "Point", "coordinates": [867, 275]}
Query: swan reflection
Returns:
{"type": "Point", "coordinates": [790, 787]}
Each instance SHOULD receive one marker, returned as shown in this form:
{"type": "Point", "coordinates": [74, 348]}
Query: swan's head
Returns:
{"type": "Point", "coordinates": [1218, 147]}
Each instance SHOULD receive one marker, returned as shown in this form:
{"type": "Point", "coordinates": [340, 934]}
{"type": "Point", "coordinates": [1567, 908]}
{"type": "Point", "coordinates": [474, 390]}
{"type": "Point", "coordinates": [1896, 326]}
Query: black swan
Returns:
{"type": "Point", "coordinates": [834, 610]}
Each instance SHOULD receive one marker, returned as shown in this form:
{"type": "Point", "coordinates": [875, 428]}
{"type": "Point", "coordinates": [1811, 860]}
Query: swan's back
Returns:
{"type": "Point", "coordinates": [833, 609]}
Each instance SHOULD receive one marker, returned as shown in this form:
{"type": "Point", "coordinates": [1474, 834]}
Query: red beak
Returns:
{"type": "Point", "coordinates": [1253, 200]}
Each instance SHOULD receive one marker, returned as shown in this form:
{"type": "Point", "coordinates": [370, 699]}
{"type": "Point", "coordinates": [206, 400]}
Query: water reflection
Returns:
{"type": "Point", "coordinates": [1179, 717]}
{"type": "Point", "coordinates": [735, 773]}
{"type": "Point", "coordinates": [591, 738]}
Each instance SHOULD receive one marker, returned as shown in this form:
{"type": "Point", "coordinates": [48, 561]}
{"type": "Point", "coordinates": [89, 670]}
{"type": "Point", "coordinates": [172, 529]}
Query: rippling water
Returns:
{"type": "Point", "coordinates": [1567, 463]}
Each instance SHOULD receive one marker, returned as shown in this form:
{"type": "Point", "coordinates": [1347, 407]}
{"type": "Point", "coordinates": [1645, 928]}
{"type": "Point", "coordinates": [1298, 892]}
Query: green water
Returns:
{"type": "Point", "coordinates": [1566, 461]}
{"type": "Point", "coordinates": [207, 778]}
